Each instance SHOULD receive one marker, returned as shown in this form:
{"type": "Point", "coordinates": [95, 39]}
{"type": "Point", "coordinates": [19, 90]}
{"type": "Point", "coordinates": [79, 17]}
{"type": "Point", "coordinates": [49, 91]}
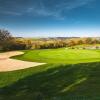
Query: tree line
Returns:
{"type": "Point", "coordinates": [8, 42]}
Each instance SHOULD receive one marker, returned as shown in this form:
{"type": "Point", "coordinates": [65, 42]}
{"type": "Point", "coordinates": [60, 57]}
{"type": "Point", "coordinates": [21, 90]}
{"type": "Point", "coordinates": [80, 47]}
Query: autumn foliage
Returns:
{"type": "Point", "coordinates": [7, 42]}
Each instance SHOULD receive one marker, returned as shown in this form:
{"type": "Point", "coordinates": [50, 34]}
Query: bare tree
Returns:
{"type": "Point", "coordinates": [5, 39]}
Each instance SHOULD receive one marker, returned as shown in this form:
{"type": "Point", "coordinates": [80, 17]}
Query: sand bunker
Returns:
{"type": "Point", "coordinates": [8, 64]}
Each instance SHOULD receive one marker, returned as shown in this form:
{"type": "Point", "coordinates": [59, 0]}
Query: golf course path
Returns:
{"type": "Point", "coordinates": [8, 64]}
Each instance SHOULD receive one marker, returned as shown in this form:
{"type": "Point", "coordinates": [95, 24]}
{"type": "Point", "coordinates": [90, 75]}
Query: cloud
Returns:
{"type": "Point", "coordinates": [11, 13]}
{"type": "Point", "coordinates": [56, 9]}
{"type": "Point", "coordinates": [45, 8]}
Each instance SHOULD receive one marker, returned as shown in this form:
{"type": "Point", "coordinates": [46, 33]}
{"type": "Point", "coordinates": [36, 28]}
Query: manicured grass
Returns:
{"type": "Point", "coordinates": [63, 56]}
{"type": "Point", "coordinates": [52, 82]}
{"type": "Point", "coordinates": [59, 79]}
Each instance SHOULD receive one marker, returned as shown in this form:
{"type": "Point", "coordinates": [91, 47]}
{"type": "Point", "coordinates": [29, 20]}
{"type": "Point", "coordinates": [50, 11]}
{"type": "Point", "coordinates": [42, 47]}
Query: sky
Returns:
{"type": "Point", "coordinates": [51, 18]}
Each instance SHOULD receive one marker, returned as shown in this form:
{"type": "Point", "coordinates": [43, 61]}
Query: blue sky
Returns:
{"type": "Point", "coordinates": [50, 18]}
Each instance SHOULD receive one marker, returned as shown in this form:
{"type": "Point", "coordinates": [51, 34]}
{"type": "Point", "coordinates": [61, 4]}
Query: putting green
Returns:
{"type": "Point", "coordinates": [61, 56]}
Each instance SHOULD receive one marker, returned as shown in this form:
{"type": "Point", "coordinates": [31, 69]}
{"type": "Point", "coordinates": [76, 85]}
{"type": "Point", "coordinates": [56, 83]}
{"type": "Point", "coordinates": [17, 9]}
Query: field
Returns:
{"type": "Point", "coordinates": [67, 75]}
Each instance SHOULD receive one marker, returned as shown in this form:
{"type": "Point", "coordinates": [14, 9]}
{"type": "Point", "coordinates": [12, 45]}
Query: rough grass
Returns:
{"type": "Point", "coordinates": [55, 80]}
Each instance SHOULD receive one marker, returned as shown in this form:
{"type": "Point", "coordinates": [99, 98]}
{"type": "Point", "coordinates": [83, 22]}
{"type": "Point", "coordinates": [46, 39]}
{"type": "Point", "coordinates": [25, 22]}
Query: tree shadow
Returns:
{"type": "Point", "coordinates": [63, 82]}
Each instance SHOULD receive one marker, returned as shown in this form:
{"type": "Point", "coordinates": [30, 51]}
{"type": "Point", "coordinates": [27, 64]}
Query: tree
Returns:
{"type": "Point", "coordinates": [88, 40]}
{"type": "Point", "coordinates": [71, 43]}
{"type": "Point", "coordinates": [79, 42]}
{"type": "Point", "coordinates": [5, 39]}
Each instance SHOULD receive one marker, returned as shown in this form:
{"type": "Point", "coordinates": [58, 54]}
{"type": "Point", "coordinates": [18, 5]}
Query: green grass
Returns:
{"type": "Point", "coordinates": [68, 75]}
{"type": "Point", "coordinates": [85, 45]}
{"type": "Point", "coordinates": [62, 56]}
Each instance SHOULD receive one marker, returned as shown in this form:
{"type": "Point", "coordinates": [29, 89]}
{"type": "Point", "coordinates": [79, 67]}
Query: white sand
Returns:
{"type": "Point", "coordinates": [8, 64]}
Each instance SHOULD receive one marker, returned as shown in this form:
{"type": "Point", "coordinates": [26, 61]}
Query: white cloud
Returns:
{"type": "Point", "coordinates": [11, 13]}
{"type": "Point", "coordinates": [40, 8]}
{"type": "Point", "coordinates": [57, 10]}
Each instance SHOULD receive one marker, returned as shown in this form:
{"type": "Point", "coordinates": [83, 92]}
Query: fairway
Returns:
{"type": "Point", "coordinates": [67, 75]}
{"type": "Point", "coordinates": [49, 49]}
{"type": "Point", "coordinates": [62, 56]}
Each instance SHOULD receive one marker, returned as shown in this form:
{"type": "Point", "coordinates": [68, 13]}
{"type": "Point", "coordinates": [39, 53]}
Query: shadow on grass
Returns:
{"type": "Point", "coordinates": [62, 82]}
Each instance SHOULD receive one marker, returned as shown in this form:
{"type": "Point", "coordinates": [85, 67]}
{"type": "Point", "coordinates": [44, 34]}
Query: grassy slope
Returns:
{"type": "Point", "coordinates": [54, 81]}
